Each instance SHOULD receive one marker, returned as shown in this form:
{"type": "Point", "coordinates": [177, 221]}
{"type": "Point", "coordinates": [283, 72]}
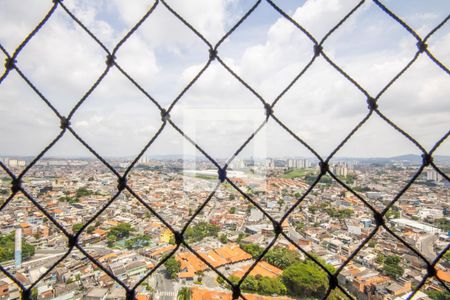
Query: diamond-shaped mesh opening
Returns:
{"type": "Point", "coordinates": [333, 220]}
{"type": "Point", "coordinates": [81, 63]}
{"type": "Point", "coordinates": [70, 188]}
{"type": "Point", "coordinates": [381, 265]}
{"type": "Point", "coordinates": [383, 183]}
{"type": "Point", "coordinates": [272, 178]}
{"type": "Point", "coordinates": [32, 15]}
{"type": "Point", "coordinates": [154, 245]}
{"type": "Point", "coordinates": [378, 64]}
{"type": "Point", "coordinates": [5, 186]}
{"type": "Point", "coordinates": [31, 243]}
{"type": "Point", "coordinates": [105, 113]}
{"type": "Point", "coordinates": [123, 248]}
{"type": "Point", "coordinates": [442, 168]}
{"type": "Point", "coordinates": [420, 220]}
{"type": "Point", "coordinates": [332, 110]}
{"type": "Point", "coordinates": [285, 50]}
{"type": "Point", "coordinates": [33, 113]}
{"type": "Point", "coordinates": [422, 78]}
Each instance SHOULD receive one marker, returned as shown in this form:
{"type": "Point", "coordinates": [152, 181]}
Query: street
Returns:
{"type": "Point", "coordinates": [165, 288]}
{"type": "Point", "coordinates": [426, 246]}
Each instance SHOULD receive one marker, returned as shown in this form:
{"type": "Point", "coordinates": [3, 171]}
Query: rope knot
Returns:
{"type": "Point", "coordinates": [222, 172]}
{"type": "Point", "coordinates": [422, 46]}
{"type": "Point", "coordinates": [16, 185]}
{"type": "Point", "coordinates": [26, 294]}
{"type": "Point", "coordinates": [165, 116]}
{"type": "Point", "coordinates": [212, 54]}
{"type": "Point", "coordinates": [277, 228]}
{"type": "Point", "coordinates": [131, 294]}
{"type": "Point", "coordinates": [431, 271]}
{"type": "Point", "coordinates": [427, 159]}
{"type": "Point", "coordinates": [178, 237]}
{"type": "Point", "coordinates": [10, 63]}
{"type": "Point", "coordinates": [333, 282]}
{"type": "Point", "coordinates": [72, 240]}
{"type": "Point", "coordinates": [379, 220]}
{"type": "Point", "coordinates": [110, 60]}
{"type": "Point", "coordinates": [269, 109]}
{"type": "Point", "coordinates": [317, 50]}
{"type": "Point", "coordinates": [323, 167]}
{"type": "Point", "coordinates": [236, 292]}
{"type": "Point", "coordinates": [371, 103]}
{"type": "Point", "coordinates": [64, 123]}
{"type": "Point", "coordinates": [121, 183]}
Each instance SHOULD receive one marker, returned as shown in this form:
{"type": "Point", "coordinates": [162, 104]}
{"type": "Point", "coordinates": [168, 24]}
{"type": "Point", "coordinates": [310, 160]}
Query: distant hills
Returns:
{"type": "Point", "coordinates": [407, 158]}
{"type": "Point", "coordinates": [410, 158]}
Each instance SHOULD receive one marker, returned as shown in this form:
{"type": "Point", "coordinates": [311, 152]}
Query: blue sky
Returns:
{"type": "Point", "coordinates": [267, 51]}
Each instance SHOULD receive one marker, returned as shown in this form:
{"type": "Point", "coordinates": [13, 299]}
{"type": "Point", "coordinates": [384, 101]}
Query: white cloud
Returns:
{"type": "Point", "coordinates": [164, 56]}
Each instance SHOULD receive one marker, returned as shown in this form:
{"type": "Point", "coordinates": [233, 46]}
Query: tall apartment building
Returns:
{"type": "Point", "coordinates": [298, 163]}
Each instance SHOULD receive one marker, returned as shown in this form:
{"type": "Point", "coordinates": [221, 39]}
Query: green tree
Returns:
{"type": "Point", "coordinates": [438, 295]}
{"type": "Point", "coordinates": [184, 293]}
{"type": "Point", "coordinates": [90, 229]}
{"type": "Point", "coordinates": [253, 249]}
{"type": "Point", "coordinates": [232, 210]}
{"type": "Point", "coordinates": [392, 213]}
{"type": "Point", "coordinates": [137, 242]}
{"type": "Point", "coordinates": [305, 279]}
{"type": "Point", "coordinates": [312, 209]}
{"type": "Point", "coordinates": [110, 240]}
{"type": "Point", "coordinates": [443, 223]}
{"type": "Point", "coordinates": [120, 231]}
{"type": "Point", "coordinates": [83, 192]}
{"type": "Point", "coordinates": [250, 284]}
{"type": "Point", "coordinates": [380, 258]}
{"type": "Point", "coordinates": [172, 268]}
{"type": "Point", "coordinates": [278, 256]}
{"type": "Point", "coordinates": [270, 286]}
{"type": "Point", "coordinates": [281, 257]}
{"type": "Point", "coordinates": [7, 247]}
{"type": "Point", "coordinates": [198, 232]}
{"type": "Point", "coordinates": [68, 199]}
{"type": "Point", "coordinates": [240, 237]}
{"type": "Point", "coordinates": [299, 226]}
{"type": "Point", "coordinates": [340, 214]}
{"type": "Point", "coordinates": [234, 279]}
{"type": "Point", "coordinates": [223, 239]}
{"type": "Point", "coordinates": [361, 189]}
{"type": "Point", "coordinates": [262, 285]}
{"type": "Point", "coordinates": [337, 294]}
{"type": "Point", "coordinates": [391, 266]}
{"type": "Point", "coordinates": [221, 281]}
{"type": "Point", "coordinates": [147, 286]}
{"type": "Point", "coordinates": [34, 293]}
{"type": "Point", "coordinates": [76, 227]}
{"type": "Point", "coordinates": [447, 257]}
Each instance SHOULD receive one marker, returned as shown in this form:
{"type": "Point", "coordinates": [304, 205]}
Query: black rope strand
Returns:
{"type": "Point", "coordinates": [317, 47]}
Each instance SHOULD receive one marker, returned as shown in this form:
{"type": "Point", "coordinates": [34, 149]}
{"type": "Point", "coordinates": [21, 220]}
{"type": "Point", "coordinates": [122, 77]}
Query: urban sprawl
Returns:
{"type": "Point", "coordinates": [229, 232]}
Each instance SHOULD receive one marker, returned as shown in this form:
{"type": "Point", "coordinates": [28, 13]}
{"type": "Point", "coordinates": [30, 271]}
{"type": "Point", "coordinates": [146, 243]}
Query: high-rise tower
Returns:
{"type": "Point", "coordinates": [18, 250]}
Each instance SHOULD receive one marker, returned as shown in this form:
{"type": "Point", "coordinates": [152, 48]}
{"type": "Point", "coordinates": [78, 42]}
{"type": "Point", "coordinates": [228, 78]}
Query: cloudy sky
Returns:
{"type": "Point", "coordinates": [217, 111]}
